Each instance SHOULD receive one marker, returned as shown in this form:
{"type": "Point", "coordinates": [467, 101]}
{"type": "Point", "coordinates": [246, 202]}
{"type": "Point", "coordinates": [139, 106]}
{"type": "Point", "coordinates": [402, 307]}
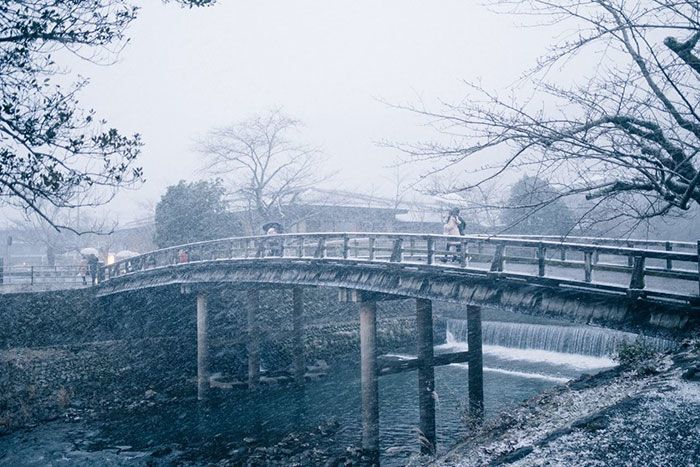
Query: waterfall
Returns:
{"type": "Point", "coordinates": [580, 340]}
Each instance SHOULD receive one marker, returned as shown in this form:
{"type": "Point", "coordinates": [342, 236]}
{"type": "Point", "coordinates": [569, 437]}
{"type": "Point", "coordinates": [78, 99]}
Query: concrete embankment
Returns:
{"type": "Point", "coordinates": [644, 413]}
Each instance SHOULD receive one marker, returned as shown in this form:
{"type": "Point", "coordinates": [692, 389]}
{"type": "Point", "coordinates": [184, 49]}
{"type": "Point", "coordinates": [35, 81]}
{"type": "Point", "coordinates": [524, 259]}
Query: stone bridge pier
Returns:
{"type": "Point", "coordinates": [202, 346]}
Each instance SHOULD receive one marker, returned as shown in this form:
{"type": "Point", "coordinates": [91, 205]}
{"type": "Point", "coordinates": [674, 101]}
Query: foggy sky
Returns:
{"type": "Point", "coordinates": [326, 63]}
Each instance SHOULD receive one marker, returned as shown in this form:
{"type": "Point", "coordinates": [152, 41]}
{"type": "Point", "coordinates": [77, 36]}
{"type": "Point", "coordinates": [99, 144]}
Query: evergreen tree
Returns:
{"type": "Point", "coordinates": [193, 211]}
{"type": "Point", "coordinates": [536, 208]}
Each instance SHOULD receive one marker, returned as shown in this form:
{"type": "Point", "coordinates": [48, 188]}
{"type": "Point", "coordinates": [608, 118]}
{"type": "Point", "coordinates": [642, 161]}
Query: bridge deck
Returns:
{"type": "Point", "coordinates": [671, 273]}
{"type": "Point", "coordinates": [658, 270]}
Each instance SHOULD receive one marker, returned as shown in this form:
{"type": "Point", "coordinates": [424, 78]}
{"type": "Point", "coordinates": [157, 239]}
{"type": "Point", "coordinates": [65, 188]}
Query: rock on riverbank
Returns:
{"type": "Point", "coordinates": [646, 415]}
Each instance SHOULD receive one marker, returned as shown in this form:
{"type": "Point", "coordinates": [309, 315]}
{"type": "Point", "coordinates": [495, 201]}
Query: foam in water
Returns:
{"type": "Point", "coordinates": [489, 350]}
{"type": "Point", "coordinates": [519, 374]}
{"type": "Point", "coordinates": [574, 361]}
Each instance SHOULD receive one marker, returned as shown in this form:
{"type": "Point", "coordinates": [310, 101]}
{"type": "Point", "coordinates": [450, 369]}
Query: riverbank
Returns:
{"type": "Point", "coordinates": [77, 442]}
{"type": "Point", "coordinates": [643, 413]}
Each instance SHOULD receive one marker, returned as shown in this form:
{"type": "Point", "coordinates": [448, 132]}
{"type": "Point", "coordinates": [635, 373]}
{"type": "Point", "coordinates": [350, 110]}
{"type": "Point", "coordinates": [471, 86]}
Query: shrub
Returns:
{"type": "Point", "coordinates": [636, 355]}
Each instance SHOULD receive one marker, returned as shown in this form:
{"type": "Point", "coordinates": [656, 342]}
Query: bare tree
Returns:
{"type": "Point", "coordinates": [400, 183]}
{"type": "Point", "coordinates": [52, 152]}
{"type": "Point", "coordinates": [484, 206]}
{"type": "Point", "coordinates": [80, 231]}
{"type": "Point", "coordinates": [627, 137]}
{"type": "Point", "coordinates": [266, 168]}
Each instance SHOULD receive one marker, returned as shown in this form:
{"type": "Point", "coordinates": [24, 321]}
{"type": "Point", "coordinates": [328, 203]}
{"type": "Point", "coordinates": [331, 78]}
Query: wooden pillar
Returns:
{"type": "Point", "coordinates": [698, 266]}
{"type": "Point", "coordinates": [630, 258]}
{"type": "Point", "coordinates": [476, 362]}
{"type": "Point", "coordinates": [298, 337]}
{"type": "Point", "coordinates": [253, 339]}
{"type": "Point", "coordinates": [369, 381]}
{"type": "Point", "coordinates": [588, 266]}
{"type": "Point", "coordinates": [498, 258]}
{"type": "Point", "coordinates": [426, 375]}
{"type": "Point", "coordinates": [637, 279]}
{"type": "Point", "coordinates": [202, 347]}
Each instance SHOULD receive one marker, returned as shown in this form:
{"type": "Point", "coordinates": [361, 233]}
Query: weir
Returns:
{"type": "Point", "coordinates": [588, 340]}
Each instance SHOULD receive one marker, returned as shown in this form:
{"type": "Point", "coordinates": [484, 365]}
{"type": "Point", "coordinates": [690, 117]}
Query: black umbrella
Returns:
{"type": "Point", "coordinates": [276, 225]}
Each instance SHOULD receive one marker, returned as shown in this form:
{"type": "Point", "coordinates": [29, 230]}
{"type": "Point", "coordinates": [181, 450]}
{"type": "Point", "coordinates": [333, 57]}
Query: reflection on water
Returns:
{"type": "Point", "coordinates": [270, 414]}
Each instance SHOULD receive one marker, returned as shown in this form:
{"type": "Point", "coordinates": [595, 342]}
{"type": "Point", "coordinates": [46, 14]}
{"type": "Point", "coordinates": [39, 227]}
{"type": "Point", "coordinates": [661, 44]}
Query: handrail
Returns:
{"type": "Point", "coordinates": [500, 256]}
{"type": "Point", "coordinates": [599, 240]}
{"type": "Point", "coordinates": [36, 275]}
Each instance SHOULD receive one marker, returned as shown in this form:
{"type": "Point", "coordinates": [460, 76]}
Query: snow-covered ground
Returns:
{"type": "Point", "coordinates": [618, 417]}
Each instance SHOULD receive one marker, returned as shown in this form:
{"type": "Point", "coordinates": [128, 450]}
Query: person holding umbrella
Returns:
{"type": "Point", "coordinates": [274, 228]}
{"type": "Point", "coordinates": [93, 266]}
{"type": "Point", "coordinates": [92, 262]}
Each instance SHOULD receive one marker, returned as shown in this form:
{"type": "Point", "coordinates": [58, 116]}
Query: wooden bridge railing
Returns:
{"type": "Point", "coordinates": [641, 268]}
{"type": "Point", "coordinates": [40, 275]}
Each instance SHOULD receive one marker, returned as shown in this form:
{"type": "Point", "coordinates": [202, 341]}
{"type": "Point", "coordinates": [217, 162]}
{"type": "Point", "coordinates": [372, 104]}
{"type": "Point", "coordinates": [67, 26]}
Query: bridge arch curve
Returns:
{"type": "Point", "coordinates": [517, 274]}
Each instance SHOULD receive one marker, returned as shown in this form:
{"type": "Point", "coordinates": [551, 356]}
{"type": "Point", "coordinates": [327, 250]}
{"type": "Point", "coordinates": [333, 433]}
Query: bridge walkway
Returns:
{"type": "Point", "coordinates": [657, 270]}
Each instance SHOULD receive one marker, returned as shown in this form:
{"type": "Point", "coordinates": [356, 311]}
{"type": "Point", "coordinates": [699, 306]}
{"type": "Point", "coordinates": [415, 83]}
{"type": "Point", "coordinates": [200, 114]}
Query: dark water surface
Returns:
{"type": "Point", "coordinates": [206, 432]}
{"type": "Point", "coordinates": [268, 415]}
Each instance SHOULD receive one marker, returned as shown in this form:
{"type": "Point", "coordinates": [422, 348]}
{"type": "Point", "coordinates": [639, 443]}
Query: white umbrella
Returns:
{"type": "Point", "coordinates": [124, 254]}
{"type": "Point", "coordinates": [89, 251]}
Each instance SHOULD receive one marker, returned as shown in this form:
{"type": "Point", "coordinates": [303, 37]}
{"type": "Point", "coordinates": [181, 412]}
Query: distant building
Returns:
{"type": "Point", "coordinates": [342, 211]}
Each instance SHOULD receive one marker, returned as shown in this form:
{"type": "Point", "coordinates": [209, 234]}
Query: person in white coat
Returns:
{"type": "Point", "coordinates": [454, 226]}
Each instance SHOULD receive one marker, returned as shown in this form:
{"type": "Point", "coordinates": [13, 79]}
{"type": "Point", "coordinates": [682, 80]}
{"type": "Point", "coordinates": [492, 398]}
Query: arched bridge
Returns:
{"type": "Point", "coordinates": [637, 282]}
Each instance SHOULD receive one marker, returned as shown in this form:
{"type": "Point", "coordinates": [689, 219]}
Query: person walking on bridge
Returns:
{"type": "Point", "coordinates": [93, 264]}
{"type": "Point", "coordinates": [275, 244]}
{"type": "Point", "coordinates": [454, 227]}
{"type": "Point", "coordinates": [83, 269]}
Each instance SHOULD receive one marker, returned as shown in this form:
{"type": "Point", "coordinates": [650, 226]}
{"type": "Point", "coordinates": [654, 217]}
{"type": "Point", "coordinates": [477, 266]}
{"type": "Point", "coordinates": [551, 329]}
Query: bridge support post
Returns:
{"type": "Point", "coordinates": [476, 362]}
{"type": "Point", "coordinates": [369, 381]}
{"type": "Point", "coordinates": [253, 339]}
{"type": "Point", "coordinates": [426, 375]}
{"type": "Point", "coordinates": [202, 347]}
{"type": "Point", "coordinates": [298, 336]}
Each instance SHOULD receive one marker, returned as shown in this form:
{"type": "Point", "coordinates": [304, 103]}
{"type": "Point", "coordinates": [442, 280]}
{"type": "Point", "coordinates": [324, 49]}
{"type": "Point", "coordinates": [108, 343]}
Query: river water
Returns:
{"type": "Point", "coordinates": [520, 361]}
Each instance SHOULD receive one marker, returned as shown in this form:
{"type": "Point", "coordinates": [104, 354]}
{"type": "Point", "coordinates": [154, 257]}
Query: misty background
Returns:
{"type": "Point", "coordinates": [332, 66]}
